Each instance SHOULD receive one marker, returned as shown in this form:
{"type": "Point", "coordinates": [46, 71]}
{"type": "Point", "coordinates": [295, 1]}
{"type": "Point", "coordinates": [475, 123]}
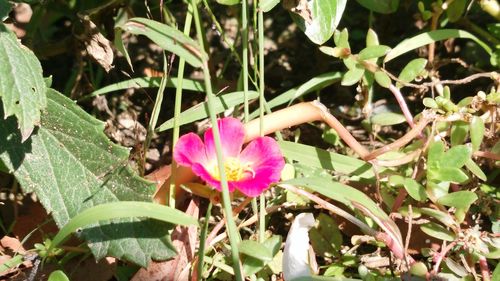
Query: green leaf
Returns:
{"type": "Point", "coordinates": [435, 154]}
{"type": "Point", "coordinates": [71, 166]}
{"type": "Point", "coordinates": [456, 9]}
{"type": "Point", "coordinates": [122, 209]}
{"type": "Point", "coordinates": [253, 265]}
{"type": "Point", "coordinates": [382, 79]}
{"type": "Point", "coordinates": [387, 118]}
{"type": "Point", "coordinates": [325, 237]}
{"type": "Point", "coordinates": [415, 190]}
{"type": "Point", "coordinates": [375, 51]}
{"type": "Point", "coordinates": [341, 38]}
{"type": "Point", "coordinates": [316, 157]}
{"type": "Point", "coordinates": [460, 199]}
{"type": "Point", "coordinates": [348, 196]}
{"type": "Point", "coordinates": [431, 103]}
{"type": "Point", "coordinates": [255, 250]}
{"type": "Point", "coordinates": [451, 174]}
{"type": "Point", "coordinates": [147, 82]}
{"type": "Point", "coordinates": [476, 132]}
{"type": "Point", "coordinates": [120, 46]}
{"type": "Point", "coordinates": [475, 169]}
{"type": "Point", "coordinates": [380, 6]}
{"type": "Point", "coordinates": [168, 38]}
{"type": "Point", "coordinates": [371, 38]}
{"type": "Point", "coordinates": [58, 275]}
{"type": "Point", "coordinates": [5, 8]}
{"type": "Point", "coordinates": [268, 5]}
{"type": "Point", "coordinates": [437, 231]}
{"type": "Point", "coordinates": [326, 15]}
{"type": "Point", "coordinates": [228, 2]}
{"type": "Point", "coordinates": [314, 84]}
{"type": "Point", "coordinates": [412, 70]}
{"type": "Point", "coordinates": [441, 216]}
{"type": "Point", "coordinates": [459, 131]}
{"type": "Point", "coordinates": [456, 157]}
{"type": "Point", "coordinates": [22, 87]}
{"type": "Point", "coordinates": [430, 37]}
{"type": "Point", "coordinates": [352, 76]}
{"type": "Point", "coordinates": [200, 111]}
{"type": "Point", "coordinates": [496, 273]}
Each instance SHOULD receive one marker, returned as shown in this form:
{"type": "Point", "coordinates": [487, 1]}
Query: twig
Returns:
{"type": "Point", "coordinates": [438, 258]}
{"type": "Point", "coordinates": [408, 234]}
{"type": "Point", "coordinates": [402, 104]}
{"type": "Point", "coordinates": [483, 265]}
{"type": "Point", "coordinates": [487, 154]}
{"type": "Point", "coordinates": [334, 209]}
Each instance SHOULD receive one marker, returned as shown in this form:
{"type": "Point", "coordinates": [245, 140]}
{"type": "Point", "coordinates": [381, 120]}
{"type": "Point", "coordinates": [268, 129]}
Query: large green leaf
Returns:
{"type": "Point", "coordinates": [325, 16]}
{"type": "Point", "coordinates": [168, 38]}
{"type": "Point", "coordinates": [380, 6]}
{"type": "Point", "coordinates": [71, 166]}
{"type": "Point", "coordinates": [22, 88]}
{"type": "Point", "coordinates": [430, 37]}
{"type": "Point", "coordinates": [460, 199]}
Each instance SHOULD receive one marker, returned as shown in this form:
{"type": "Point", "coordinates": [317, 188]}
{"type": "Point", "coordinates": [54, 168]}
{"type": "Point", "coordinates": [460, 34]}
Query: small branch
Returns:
{"type": "Point", "coordinates": [492, 75]}
{"type": "Point", "coordinates": [413, 133]}
{"type": "Point", "coordinates": [402, 104]}
{"type": "Point", "coordinates": [487, 154]}
{"type": "Point", "coordinates": [332, 208]}
{"type": "Point", "coordinates": [438, 258]}
{"type": "Point", "coordinates": [485, 271]}
{"type": "Point", "coordinates": [299, 114]}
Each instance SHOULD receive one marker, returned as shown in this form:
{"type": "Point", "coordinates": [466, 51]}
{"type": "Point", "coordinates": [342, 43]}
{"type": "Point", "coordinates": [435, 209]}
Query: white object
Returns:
{"type": "Point", "coordinates": [296, 255]}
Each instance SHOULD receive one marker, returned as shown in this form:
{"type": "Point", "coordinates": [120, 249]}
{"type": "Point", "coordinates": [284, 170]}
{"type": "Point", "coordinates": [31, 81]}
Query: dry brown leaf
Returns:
{"type": "Point", "coordinates": [12, 243]}
{"type": "Point", "coordinates": [96, 45]}
{"type": "Point", "coordinates": [184, 240]}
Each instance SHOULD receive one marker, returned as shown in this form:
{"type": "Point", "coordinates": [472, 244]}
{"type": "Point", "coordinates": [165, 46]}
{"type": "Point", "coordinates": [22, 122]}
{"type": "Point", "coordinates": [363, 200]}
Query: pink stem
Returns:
{"type": "Point", "coordinates": [485, 271]}
{"type": "Point", "coordinates": [402, 104]}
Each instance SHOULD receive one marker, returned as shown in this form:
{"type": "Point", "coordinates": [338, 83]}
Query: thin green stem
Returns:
{"type": "Point", "coordinates": [244, 54]}
{"type": "Point", "coordinates": [155, 113]}
{"type": "Point", "coordinates": [177, 109]}
{"type": "Point", "coordinates": [262, 211]}
{"type": "Point", "coordinates": [226, 200]}
{"type": "Point", "coordinates": [203, 238]}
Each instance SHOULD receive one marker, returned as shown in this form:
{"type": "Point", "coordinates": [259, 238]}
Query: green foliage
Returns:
{"type": "Point", "coordinates": [70, 155]}
{"type": "Point", "coordinates": [325, 17]}
{"type": "Point", "coordinates": [22, 87]}
{"type": "Point", "coordinates": [380, 6]}
{"type": "Point", "coordinates": [442, 173]}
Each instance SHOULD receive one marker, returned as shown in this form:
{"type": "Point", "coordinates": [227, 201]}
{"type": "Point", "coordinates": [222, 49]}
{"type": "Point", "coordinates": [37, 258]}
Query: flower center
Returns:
{"type": "Point", "coordinates": [235, 170]}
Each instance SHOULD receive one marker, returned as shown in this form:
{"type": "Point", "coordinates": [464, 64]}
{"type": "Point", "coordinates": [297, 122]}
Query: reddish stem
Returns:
{"type": "Point", "coordinates": [485, 271]}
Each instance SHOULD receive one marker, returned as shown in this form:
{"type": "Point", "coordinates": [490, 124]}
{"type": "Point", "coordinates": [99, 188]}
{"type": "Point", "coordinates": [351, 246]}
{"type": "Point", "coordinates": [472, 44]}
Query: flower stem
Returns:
{"type": "Point", "coordinates": [177, 109]}
{"type": "Point", "coordinates": [244, 54]}
{"type": "Point", "coordinates": [203, 237]}
{"type": "Point", "coordinates": [262, 198]}
{"type": "Point", "coordinates": [155, 113]}
{"type": "Point", "coordinates": [226, 200]}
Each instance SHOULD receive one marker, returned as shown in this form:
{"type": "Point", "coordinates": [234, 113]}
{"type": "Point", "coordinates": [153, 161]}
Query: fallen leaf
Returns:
{"type": "Point", "coordinates": [96, 45]}
{"type": "Point", "coordinates": [12, 243]}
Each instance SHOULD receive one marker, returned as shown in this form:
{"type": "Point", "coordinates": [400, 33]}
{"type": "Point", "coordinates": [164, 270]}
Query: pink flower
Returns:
{"type": "Point", "coordinates": [250, 171]}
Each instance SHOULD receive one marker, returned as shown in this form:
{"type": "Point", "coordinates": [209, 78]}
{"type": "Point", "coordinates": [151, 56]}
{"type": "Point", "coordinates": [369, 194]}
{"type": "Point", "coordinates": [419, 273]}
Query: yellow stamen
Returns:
{"type": "Point", "coordinates": [234, 168]}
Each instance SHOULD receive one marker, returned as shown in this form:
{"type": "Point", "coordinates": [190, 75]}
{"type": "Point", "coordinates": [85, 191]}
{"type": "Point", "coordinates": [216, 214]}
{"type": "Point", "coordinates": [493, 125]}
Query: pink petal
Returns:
{"type": "Point", "coordinates": [231, 136]}
{"type": "Point", "coordinates": [189, 150]}
{"type": "Point", "coordinates": [266, 160]}
{"type": "Point", "coordinates": [202, 172]}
